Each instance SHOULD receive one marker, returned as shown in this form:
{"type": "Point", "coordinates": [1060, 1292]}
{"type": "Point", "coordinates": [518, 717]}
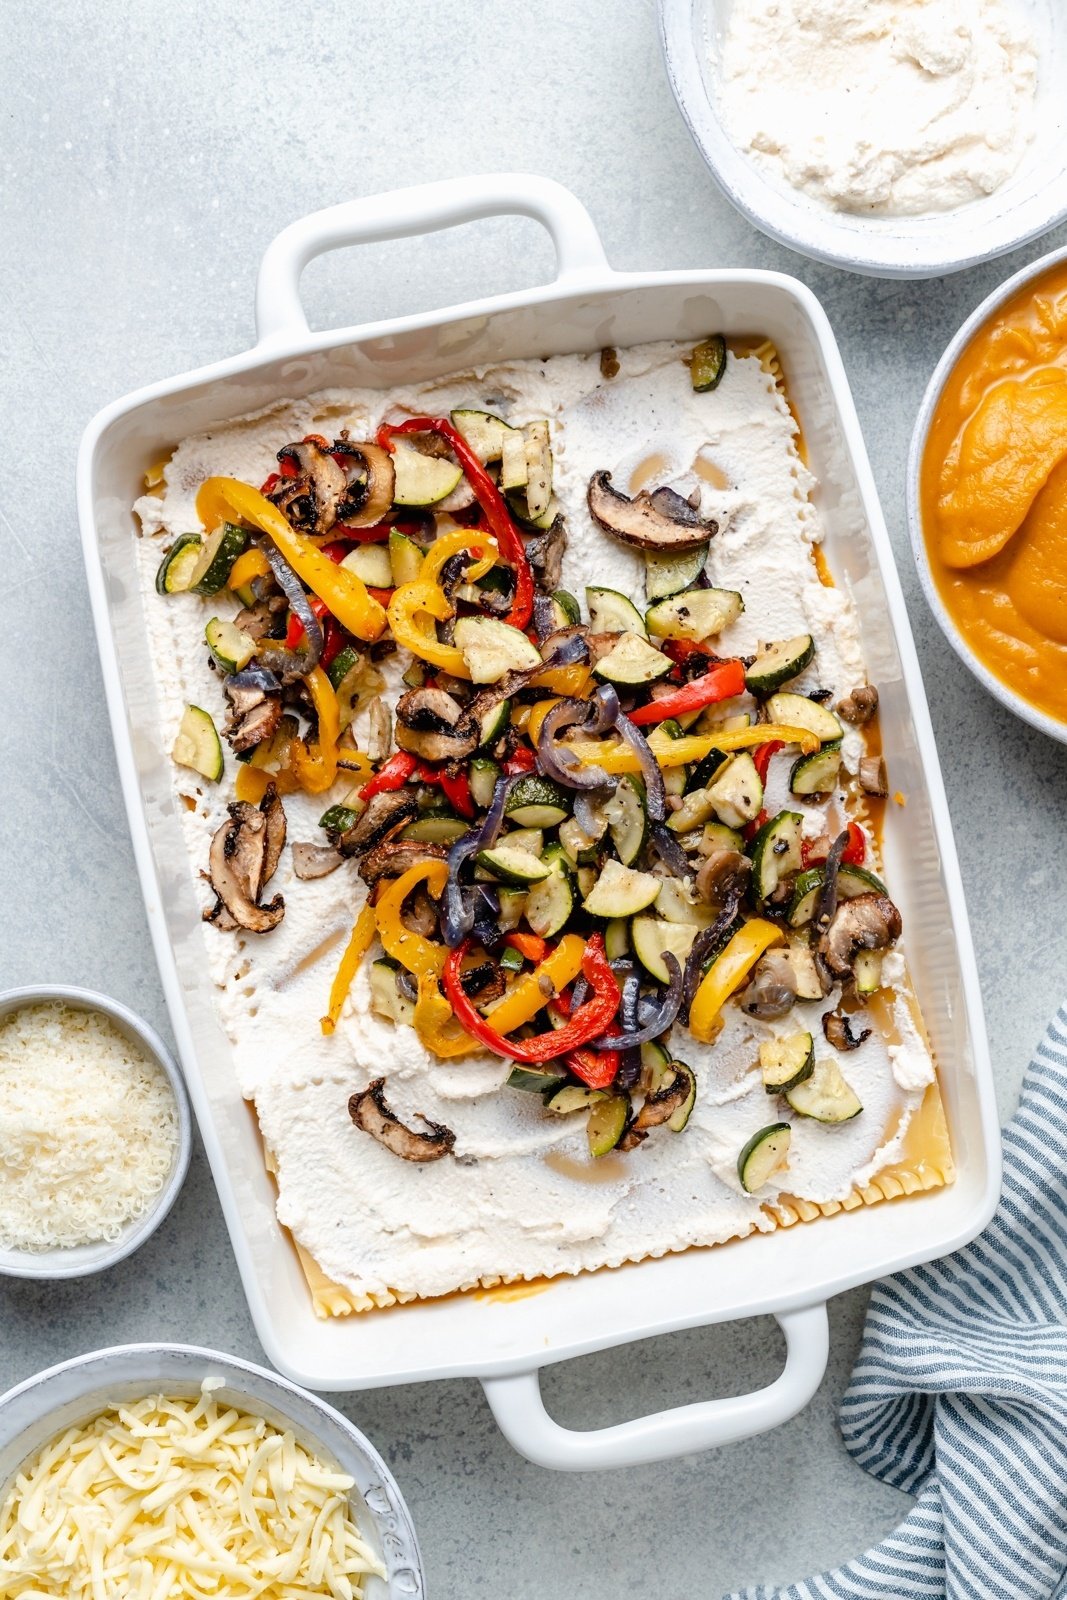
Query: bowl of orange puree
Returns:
{"type": "Point", "coordinates": [987, 494]}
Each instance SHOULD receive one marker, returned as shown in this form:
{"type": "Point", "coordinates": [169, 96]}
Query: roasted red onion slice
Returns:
{"type": "Point", "coordinates": [665, 1015]}
{"type": "Point", "coordinates": [292, 664]}
{"type": "Point", "coordinates": [705, 942]}
{"type": "Point", "coordinates": [655, 793]}
{"type": "Point", "coordinates": [594, 716]}
{"type": "Point", "coordinates": [457, 910]}
{"type": "Point", "coordinates": [826, 904]}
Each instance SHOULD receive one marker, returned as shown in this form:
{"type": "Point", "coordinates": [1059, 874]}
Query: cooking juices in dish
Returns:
{"type": "Point", "coordinates": [884, 107]}
{"type": "Point", "coordinates": [547, 921]}
{"type": "Point", "coordinates": [993, 492]}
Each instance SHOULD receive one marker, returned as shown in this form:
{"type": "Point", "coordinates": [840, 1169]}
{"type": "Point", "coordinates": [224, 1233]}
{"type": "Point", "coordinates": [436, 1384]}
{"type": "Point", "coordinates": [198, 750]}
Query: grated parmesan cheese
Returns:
{"type": "Point", "coordinates": [88, 1128]}
{"type": "Point", "coordinates": [164, 1499]}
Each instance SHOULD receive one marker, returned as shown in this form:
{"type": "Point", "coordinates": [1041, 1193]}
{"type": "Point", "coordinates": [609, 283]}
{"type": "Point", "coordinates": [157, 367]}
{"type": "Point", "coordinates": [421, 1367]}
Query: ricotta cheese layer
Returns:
{"type": "Point", "coordinates": [521, 1197]}
{"type": "Point", "coordinates": [893, 107]}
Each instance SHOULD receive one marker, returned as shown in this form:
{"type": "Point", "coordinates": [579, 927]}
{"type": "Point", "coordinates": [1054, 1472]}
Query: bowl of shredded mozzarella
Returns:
{"type": "Point", "coordinates": [147, 1471]}
{"type": "Point", "coordinates": [95, 1132]}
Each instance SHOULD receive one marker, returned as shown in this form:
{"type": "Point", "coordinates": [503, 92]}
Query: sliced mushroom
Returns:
{"type": "Point", "coordinates": [431, 724]}
{"type": "Point", "coordinates": [859, 706]}
{"type": "Point", "coordinates": [254, 713]}
{"type": "Point", "coordinates": [369, 1111]}
{"type": "Point", "coordinates": [419, 914]}
{"type": "Point", "coordinates": [544, 552]}
{"type": "Point", "coordinates": [662, 1104]}
{"type": "Point", "coordinates": [274, 814]}
{"type": "Point", "coordinates": [312, 861]}
{"type": "Point", "coordinates": [724, 872]}
{"type": "Point", "coordinates": [874, 779]}
{"type": "Point", "coordinates": [264, 620]}
{"type": "Point", "coordinates": [380, 729]}
{"type": "Point", "coordinates": [869, 922]}
{"type": "Point", "coordinates": [310, 500]}
{"type": "Point", "coordinates": [370, 479]}
{"type": "Point", "coordinates": [389, 860]}
{"type": "Point", "coordinates": [241, 851]}
{"type": "Point", "coordinates": [484, 983]}
{"type": "Point", "coordinates": [661, 520]}
{"type": "Point", "coordinates": [837, 1026]}
{"type": "Point", "coordinates": [772, 989]}
{"type": "Point", "coordinates": [383, 814]}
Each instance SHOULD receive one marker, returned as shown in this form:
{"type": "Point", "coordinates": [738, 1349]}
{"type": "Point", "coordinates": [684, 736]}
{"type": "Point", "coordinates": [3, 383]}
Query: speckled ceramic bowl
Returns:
{"type": "Point", "coordinates": [996, 687]}
{"type": "Point", "coordinates": [81, 1260]}
{"type": "Point", "coordinates": [1033, 200]}
{"type": "Point", "coordinates": [44, 1405]}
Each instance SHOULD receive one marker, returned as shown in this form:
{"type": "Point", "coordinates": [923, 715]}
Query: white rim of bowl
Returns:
{"type": "Point", "coordinates": [839, 239]}
{"type": "Point", "coordinates": [143, 1227]}
{"type": "Point", "coordinates": [999, 690]}
{"type": "Point", "coordinates": [395, 1528]}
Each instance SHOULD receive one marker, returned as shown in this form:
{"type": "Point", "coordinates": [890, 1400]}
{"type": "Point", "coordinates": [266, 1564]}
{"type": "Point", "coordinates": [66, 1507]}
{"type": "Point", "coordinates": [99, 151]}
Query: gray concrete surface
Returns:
{"type": "Point", "coordinates": [150, 151]}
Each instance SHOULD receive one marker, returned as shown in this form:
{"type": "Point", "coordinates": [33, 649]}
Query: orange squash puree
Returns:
{"type": "Point", "coordinates": [993, 493]}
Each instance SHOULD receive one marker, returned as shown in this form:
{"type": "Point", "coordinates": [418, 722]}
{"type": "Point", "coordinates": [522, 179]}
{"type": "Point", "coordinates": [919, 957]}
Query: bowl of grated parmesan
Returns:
{"type": "Point", "coordinates": [95, 1132]}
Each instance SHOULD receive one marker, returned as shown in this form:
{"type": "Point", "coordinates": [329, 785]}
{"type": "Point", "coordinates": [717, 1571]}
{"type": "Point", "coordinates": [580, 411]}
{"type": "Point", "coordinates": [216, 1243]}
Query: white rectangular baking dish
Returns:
{"type": "Point", "coordinates": [788, 1273]}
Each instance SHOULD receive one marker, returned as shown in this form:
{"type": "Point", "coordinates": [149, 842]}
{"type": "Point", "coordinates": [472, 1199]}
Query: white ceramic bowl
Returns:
{"type": "Point", "coordinates": [998, 689]}
{"type": "Point", "coordinates": [37, 1410]}
{"type": "Point", "coordinates": [81, 1260]}
{"type": "Point", "coordinates": [1033, 200]}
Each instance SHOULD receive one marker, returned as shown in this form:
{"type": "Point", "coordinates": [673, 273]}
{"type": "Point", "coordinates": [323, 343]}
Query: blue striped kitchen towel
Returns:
{"type": "Point", "coordinates": [960, 1390]}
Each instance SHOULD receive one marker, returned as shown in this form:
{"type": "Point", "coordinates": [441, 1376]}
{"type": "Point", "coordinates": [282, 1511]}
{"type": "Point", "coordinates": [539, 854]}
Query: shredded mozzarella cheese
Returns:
{"type": "Point", "coordinates": [88, 1128]}
{"type": "Point", "coordinates": [164, 1499]}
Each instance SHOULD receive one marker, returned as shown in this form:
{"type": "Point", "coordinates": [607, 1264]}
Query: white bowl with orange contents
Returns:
{"type": "Point", "coordinates": [993, 614]}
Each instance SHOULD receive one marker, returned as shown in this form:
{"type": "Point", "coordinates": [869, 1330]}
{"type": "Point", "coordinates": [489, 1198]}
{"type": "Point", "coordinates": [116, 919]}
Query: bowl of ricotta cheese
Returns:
{"type": "Point", "coordinates": [901, 138]}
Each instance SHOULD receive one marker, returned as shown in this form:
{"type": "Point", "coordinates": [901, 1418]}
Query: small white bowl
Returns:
{"type": "Point", "coordinates": [80, 1260]}
{"type": "Point", "coordinates": [1033, 200]}
{"type": "Point", "coordinates": [35, 1411]}
{"type": "Point", "coordinates": [999, 690]}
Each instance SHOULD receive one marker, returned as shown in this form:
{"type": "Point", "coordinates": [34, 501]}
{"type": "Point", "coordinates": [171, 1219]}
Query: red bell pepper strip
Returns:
{"type": "Point", "coordinates": [588, 1022]}
{"type": "Point", "coordinates": [530, 947]}
{"type": "Point", "coordinates": [761, 757]}
{"type": "Point", "coordinates": [393, 775]}
{"type": "Point", "coordinates": [725, 679]}
{"type": "Point", "coordinates": [376, 535]}
{"type": "Point", "coordinates": [751, 829]}
{"type": "Point", "coordinates": [596, 1068]}
{"type": "Point", "coordinates": [295, 631]}
{"type": "Point", "coordinates": [383, 596]}
{"type": "Point", "coordinates": [509, 540]}
{"type": "Point", "coordinates": [269, 485]}
{"type": "Point", "coordinates": [457, 791]}
{"type": "Point", "coordinates": [680, 650]}
{"type": "Point", "coordinates": [521, 760]}
{"type": "Point", "coordinates": [854, 854]}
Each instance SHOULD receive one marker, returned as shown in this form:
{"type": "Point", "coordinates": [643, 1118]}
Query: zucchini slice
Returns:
{"type": "Point", "coordinates": [512, 906]}
{"type": "Point", "coordinates": [217, 555]}
{"type": "Point", "coordinates": [437, 828]}
{"type": "Point", "coordinates": [538, 469]}
{"type": "Point", "coordinates": [483, 431]}
{"type": "Point", "coordinates": [697, 808]}
{"type": "Point", "coordinates": [617, 939]}
{"type": "Point", "coordinates": [421, 480]}
{"type": "Point", "coordinates": [405, 558]}
{"type": "Point", "coordinates": [175, 572]}
{"type": "Point", "coordinates": [550, 903]}
{"type": "Point", "coordinates": [737, 791]}
{"type": "Point", "coordinates": [867, 971]}
{"type": "Point", "coordinates": [851, 881]}
{"type": "Point", "coordinates": [510, 865]}
{"type": "Point", "coordinates": [342, 665]}
{"type": "Point", "coordinates": [763, 1155]}
{"type": "Point", "coordinates": [776, 852]}
{"type": "Point", "coordinates": [513, 468]}
{"type": "Point", "coordinates": [667, 574]}
{"type": "Point", "coordinates": [707, 364]}
{"type": "Point", "coordinates": [652, 937]}
{"type": "Point", "coordinates": [516, 499]}
{"type": "Point", "coordinates": [695, 614]}
{"type": "Point", "coordinates": [532, 840]}
{"type": "Point", "coordinates": [817, 773]}
{"type": "Point", "coordinates": [678, 1119]}
{"type": "Point", "coordinates": [607, 1123]}
{"type": "Point", "coordinates": [627, 817]}
{"type": "Point", "coordinates": [568, 606]}
{"type": "Point", "coordinates": [675, 905]}
{"type": "Point", "coordinates": [198, 746]}
{"type": "Point", "coordinates": [717, 836]}
{"type": "Point", "coordinates": [230, 648]}
{"type": "Point", "coordinates": [491, 648]}
{"type": "Point", "coordinates": [385, 997]}
{"type": "Point", "coordinates": [775, 664]}
{"type": "Point", "coordinates": [786, 1062]}
{"type": "Point", "coordinates": [806, 979]}
{"type": "Point", "coordinates": [621, 892]}
{"type": "Point", "coordinates": [482, 775]}
{"type": "Point", "coordinates": [825, 1095]}
{"type": "Point", "coordinates": [573, 1097]}
{"type": "Point", "coordinates": [526, 1078]}
{"type": "Point", "coordinates": [800, 712]}
{"type": "Point", "coordinates": [494, 722]}
{"type": "Point", "coordinates": [537, 803]}
{"type": "Point", "coordinates": [612, 612]}
{"type": "Point", "coordinates": [372, 563]}
{"type": "Point", "coordinates": [632, 660]}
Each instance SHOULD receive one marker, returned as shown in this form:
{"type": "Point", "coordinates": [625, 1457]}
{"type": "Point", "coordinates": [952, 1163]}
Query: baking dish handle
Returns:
{"type": "Point", "coordinates": [520, 1412]}
{"type": "Point", "coordinates": [423, 209]}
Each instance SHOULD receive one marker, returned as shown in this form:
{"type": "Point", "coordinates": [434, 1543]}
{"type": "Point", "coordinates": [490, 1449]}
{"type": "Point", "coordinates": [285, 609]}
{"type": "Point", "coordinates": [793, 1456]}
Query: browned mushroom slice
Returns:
{"type": "Point", "coordinates": [431, 724]}
{"type": "Point", "coordinates": [384, 813]}
{"type": "Point", "coordinates": [254, 715]}
{"type": "Point", "coordinates": [265, 619]}
{"type": "Point", "coordinates": [837, 1026]}
{"type": "Point", "coordinates": [869, 922]}
{"type": "Point", "coordinates": [370, 479]}
{"type": "Point", "coordinates": [312, 861]}
{"type": "Point", "coordinates": [874, 779]}
{"type": "Point", "coordinates": [664, 1102]}
{"type": "Point", "coordinates": [369, 1111]}
{"type": "Point", "coordinates": [724, 872]}
{"type": "Point", "coordinates": [274, 813]}
{"type": "Point", "coordinates": [236, 864]}
{"type": "Point", "coordinates": [661, 520]}
{"type": "Point", "coordinates": [545, 555]}
{"type": "Point", "coordinates": [859, 706]}
{"type": "Point", "coordinates": [389, 860]}
{"type": "Point", "coordinates": [310, 500]}
{"type": "Point", "coordinates": [773, 987]}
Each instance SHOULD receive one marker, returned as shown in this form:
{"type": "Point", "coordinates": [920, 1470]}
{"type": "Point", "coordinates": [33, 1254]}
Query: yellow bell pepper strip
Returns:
{"type": "Point", "coordinates": [526, 997]}
{"type": "Point", "coordinates": [571, 681]}
{"type": "Point", "coordinates": [251, 564]}
{"type": "Point", "coordinates": [337, 587]}
{"type": "Point", "coordinates": [414, 952]}
{"type": "Point", "coordinates": [412, 611]}
{"type": "Point", "coordinates": [534, 717]}
{"type": "Point", "coordinates": [435, 1024]}
{"type": "Point", "coordinates": [359, 943]}
{"type": "Point", "coordinates": [692, 747]}
{"type": "Point", "coordinates": [447, 545]}
{"type": "Point", "coordinates": [316, 769]}
{"type": "Point", "coordinates": [727, 972]}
